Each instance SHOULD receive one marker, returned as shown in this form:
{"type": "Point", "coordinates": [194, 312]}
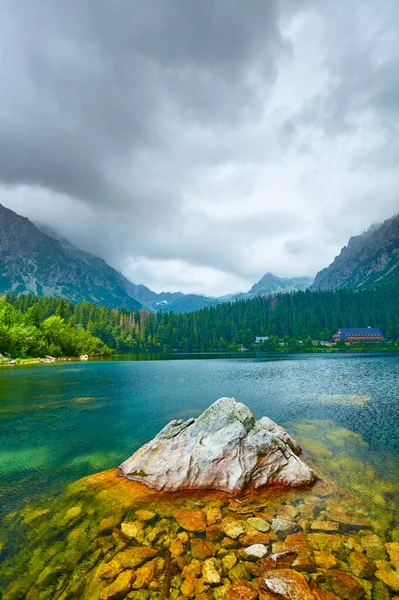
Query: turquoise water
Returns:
{"type": "Point", "coordinates": [61, 422]}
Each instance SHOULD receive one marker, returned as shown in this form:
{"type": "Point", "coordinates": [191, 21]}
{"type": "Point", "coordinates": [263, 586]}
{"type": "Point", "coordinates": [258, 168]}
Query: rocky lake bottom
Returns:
{"type": "Point", "coordinates": [110, 538]}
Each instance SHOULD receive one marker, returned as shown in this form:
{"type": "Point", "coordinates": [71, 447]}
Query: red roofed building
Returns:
{"type": "Point", "coordinates": [358, 334]}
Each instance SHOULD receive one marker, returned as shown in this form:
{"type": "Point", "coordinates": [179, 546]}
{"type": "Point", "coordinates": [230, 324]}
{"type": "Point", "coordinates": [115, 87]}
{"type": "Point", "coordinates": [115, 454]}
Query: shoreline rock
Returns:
{"type": "Point", "coordinates": [225, 448]}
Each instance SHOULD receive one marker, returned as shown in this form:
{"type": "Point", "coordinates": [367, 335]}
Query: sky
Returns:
{"type": "Point", "coordinates": [196, 146]}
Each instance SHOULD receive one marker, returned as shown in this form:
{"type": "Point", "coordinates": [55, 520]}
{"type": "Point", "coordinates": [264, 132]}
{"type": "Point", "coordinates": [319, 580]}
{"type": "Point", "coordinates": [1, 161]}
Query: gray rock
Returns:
{"type": "Point", "coordinates": [225, 448]}
{"type": "Point", "coordinates": [369, 260]}
{"type": "Point", "coordinates": [283, 527]}
{"type": "Point", "coordinates": [254, 552]}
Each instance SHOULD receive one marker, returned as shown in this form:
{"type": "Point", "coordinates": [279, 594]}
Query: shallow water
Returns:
{"type": "Point", "coordinates": [61, 422]}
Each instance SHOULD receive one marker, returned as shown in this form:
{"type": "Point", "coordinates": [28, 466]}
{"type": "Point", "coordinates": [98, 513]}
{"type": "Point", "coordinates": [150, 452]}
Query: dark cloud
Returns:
{"type": "Point", "coordinates": [211, 137]}
{"type": "Point", "coordinates": [87, 86]}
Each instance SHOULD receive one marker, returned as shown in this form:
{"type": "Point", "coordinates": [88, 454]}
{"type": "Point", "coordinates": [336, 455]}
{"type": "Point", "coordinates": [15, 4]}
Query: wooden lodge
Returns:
{"type": "Point", "coordinates": [358, 334]}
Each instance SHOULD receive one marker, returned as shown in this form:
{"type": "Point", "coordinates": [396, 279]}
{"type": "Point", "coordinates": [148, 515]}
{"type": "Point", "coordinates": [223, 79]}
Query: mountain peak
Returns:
{"type": "Point", "coordinates": [271, 284]}
{"type": "Point", "coordinates": [34, 262]}
{"type": "Point", "coordinates": [370, 259]}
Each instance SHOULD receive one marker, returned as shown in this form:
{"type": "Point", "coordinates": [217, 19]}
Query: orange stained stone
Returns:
{"type": "Point", "coordinates": [374, 547]}
{"type": "Point", "coordinates": [232, 528]}
{"type": "Point", "coordinates": [202, 549]}
{"type": "Point", "coordinates": [264, 595]}
{"type": "Point", "coordinates": [389, 577]}
{"type": "Point", "coordinates": [286, 583]}
{"type": "Point", "coordinates": [192, 586]}
{"type": "Point", "coordinates": [321, 594]}
{"type": "Point", "coordinates": [145, 515]}
{"type": "Point", "coordinates": [192, 570]}
{"type": "Point", "coordinates": [360, 566]}
{"type": "Point", "coordinates": [255, 538]}
{"type": "Point", "coordinates": [108, 524]}
{"type": "Point", "coordinates": [113, 490]}
{"type": "Point", "coordinates": [180, 561]}
{"type": "Point", "coordinates": [325, 559]}
{"type": "Point", "coordinates": [135, 556]}
{"type": "Point", "coordinates": [287, 511]}
{"type": "Point", "coordinates": [325, 541]}
{"type": "Point", "coordinates": [120, 587]}
{"type": "Point", "coordinates": [328, 526]}
{"type": "Point", "coordinates": [177, 547]}
{"type": "Point", "coordinates": [280, 560]}
{"type": "Point", "coordinates": [297, 543]}
{"type": "Point", "coordinates": [214, 533]}
{"type": "Point", "coordinates": [304, 524]}
{"type": "Point", "coordinates": [121, 492]}
{"type": "Point", "coordinates": [344, 586]}
{"type": "Point", "coordinates": [109, 570]}
{"type": "Point", "coordinates": [393, 551]}
{"type": "Point", "coordinates": [235, 504]}
{"type": "Point", "coordinates": [241, 590]}
{"type": "Point", "coordinates": [264, 515]}
{"type": "Point", "coordinates": [191, 519]}
{"type": "Point", "coordinates": [144, 575]}
{"type": "Point", "coordinates": [213, 515]}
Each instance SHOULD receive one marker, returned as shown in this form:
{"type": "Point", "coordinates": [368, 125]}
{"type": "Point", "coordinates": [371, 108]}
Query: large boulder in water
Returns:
{"type": "Point", "coordinates": [225, 448]}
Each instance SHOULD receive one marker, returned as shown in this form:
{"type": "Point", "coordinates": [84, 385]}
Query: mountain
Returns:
{"type": "Point", "coordinates": [271, 284]}
{"type": "Point", "coordinates": [152, 299]}
{"type": "Point", "coordinates": [369, 260]}
{"type": "Point", "coordinates": [33, 262]}
{"type": "Point", "coordinates": [171, 301]}
{"type": "Point", "coordinates": [179, 303]}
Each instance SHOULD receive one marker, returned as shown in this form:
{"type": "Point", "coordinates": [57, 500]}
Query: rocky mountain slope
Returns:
{"type": "Point", "coordinates": [370, 259]}
{"type": "Point", "coordinates": [32, 261]}
{"type": "Point", "coordinates": [270, 284]}
{"type": "Point", "coordinates": [171, 301]}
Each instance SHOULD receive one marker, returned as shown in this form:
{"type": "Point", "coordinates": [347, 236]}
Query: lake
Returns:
{"type": "Point", "coordinates": [61, 422]}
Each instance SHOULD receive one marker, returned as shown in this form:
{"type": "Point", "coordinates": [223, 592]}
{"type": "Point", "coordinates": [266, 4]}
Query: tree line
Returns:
{"type": "Point", "coordinates": [31, 326]}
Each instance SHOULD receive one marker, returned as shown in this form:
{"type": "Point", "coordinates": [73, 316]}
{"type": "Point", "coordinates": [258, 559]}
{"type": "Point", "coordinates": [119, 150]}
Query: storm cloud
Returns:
{"type": "Point", "coordinates": [196, 146]}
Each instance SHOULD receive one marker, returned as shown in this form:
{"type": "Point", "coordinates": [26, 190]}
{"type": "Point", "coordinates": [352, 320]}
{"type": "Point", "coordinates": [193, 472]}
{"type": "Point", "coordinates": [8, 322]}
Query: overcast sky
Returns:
{"type": "Point", "coordinates": [197, 145]}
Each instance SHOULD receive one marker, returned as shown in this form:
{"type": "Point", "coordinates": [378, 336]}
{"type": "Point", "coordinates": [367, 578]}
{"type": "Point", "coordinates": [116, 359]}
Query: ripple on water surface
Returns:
{"type": "Point", "coordinates": [63, 423]}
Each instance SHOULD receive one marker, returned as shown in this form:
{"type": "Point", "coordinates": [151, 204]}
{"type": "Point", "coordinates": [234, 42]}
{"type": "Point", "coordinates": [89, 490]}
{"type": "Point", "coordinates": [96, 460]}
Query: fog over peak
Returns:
{"type": "Point", "coordinates": [196, 146]}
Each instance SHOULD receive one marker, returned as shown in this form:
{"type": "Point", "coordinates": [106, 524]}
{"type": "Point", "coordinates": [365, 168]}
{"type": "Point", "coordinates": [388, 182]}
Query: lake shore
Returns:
{"type": "Point", "coordinates": [19, 362]}
{"type": "Point", "coordinates": [15, 362]}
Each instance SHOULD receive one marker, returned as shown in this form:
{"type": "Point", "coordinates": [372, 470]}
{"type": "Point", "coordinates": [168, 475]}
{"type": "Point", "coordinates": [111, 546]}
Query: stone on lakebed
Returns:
{"type": "Point", "coordinates": [225, 448]}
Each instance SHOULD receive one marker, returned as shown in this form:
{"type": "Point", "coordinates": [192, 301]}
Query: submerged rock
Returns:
{"type": "Point", "coordinates": [241, 590]}
{"type": "Point", "coordinates": [191, 519]}
{"type": "Point", "coordinates": [282, 527]}
{"type": "Point", "coordinates": [344, 586]}
{"type": "Point", "coordinates": [225, 448]}
{"type": "Point", "coordinates": [254, 552]}
{"type": "Point", "coordinates": [286, 583]}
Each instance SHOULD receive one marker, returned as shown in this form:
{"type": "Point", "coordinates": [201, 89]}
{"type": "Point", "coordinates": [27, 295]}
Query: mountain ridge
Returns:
{"type": "Point", "coordinates": [270, 284]}
{"type": "Point", "coordinates": [370, 259]}
{"type": "Point", "coordinates": [33, 261]}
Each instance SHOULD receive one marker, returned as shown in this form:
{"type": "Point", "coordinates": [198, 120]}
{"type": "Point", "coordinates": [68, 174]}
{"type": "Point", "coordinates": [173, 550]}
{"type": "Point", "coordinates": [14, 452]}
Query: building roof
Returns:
{"type": "Point", "coordinates": [347, 332]}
